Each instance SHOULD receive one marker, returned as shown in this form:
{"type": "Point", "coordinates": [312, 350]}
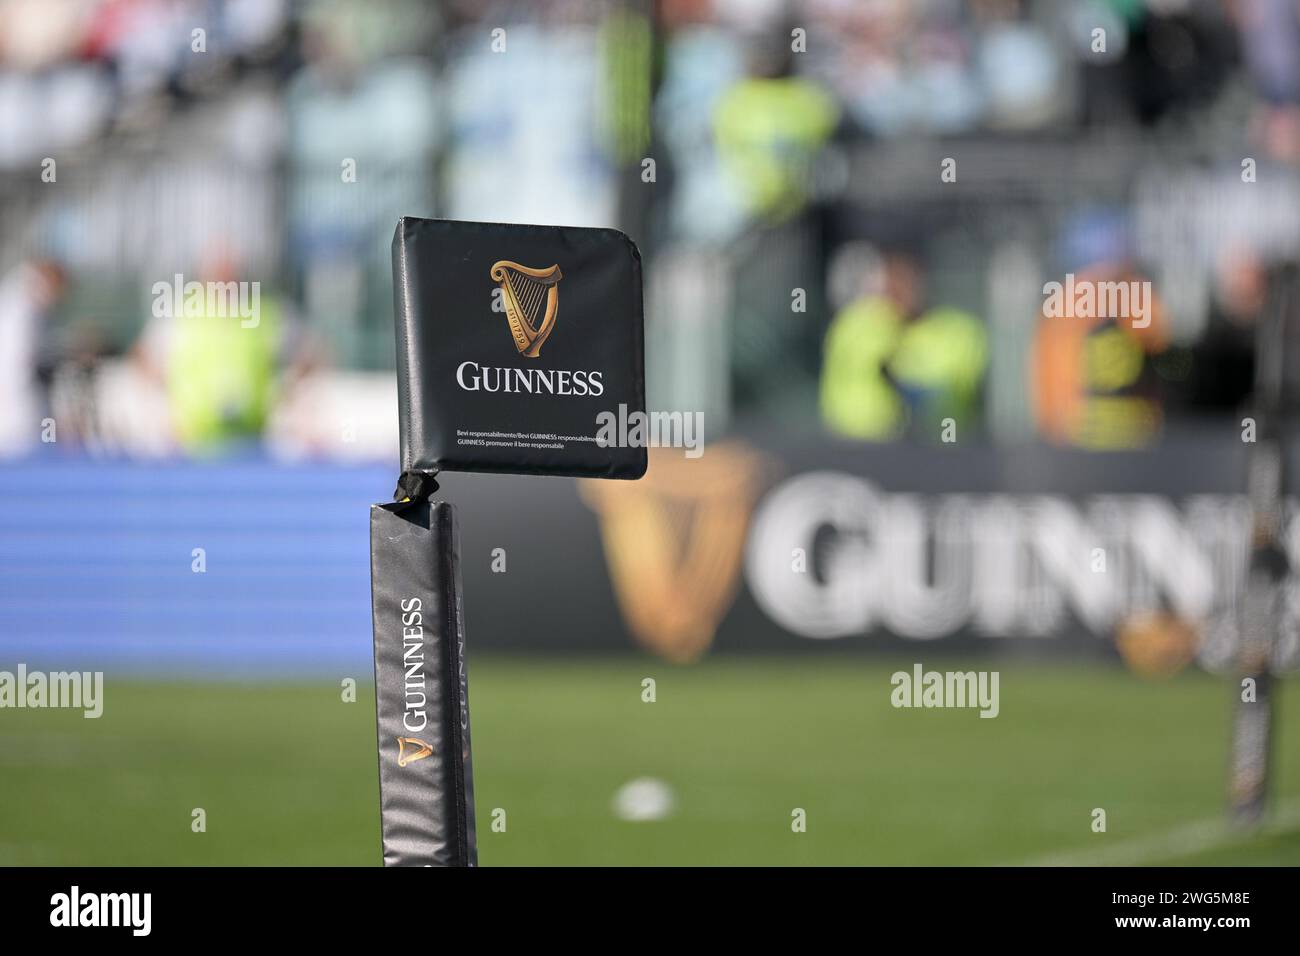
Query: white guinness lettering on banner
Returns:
{"type": "Point", "coordinates": [928, 566]}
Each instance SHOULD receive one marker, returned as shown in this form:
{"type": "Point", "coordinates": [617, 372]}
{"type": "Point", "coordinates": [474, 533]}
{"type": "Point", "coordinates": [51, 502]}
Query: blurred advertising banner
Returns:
{"type": "Point", "coordinates": [780, 544]}
{"type": "Point", "coordinates": [807, 545]}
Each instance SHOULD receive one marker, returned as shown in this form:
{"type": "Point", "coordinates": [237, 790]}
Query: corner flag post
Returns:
{"type": "Point", "coordinates": [1262, 608]}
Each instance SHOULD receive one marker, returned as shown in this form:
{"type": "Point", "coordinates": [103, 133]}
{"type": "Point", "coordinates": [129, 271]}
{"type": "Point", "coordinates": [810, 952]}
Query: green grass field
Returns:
{"type": "Point", "coordinates": [287, 773]}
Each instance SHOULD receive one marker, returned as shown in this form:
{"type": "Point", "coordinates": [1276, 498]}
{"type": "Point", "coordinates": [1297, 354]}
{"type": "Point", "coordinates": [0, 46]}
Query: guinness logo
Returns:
{"type": "Point", "coordinates": [1156, 644]}
{"type": "Point", "coordinates": [418, 750]}
{"type": "Point", "coordinates": [528, 294]}
{"type": "Point", "coordinates": [673, 542]}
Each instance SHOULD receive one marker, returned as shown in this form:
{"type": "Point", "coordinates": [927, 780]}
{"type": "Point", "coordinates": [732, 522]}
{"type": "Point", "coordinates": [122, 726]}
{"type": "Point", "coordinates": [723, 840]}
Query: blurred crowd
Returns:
{"type": "Point", "coordinates": [848, 209]}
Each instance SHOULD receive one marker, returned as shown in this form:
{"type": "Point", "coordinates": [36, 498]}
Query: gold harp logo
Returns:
{"type": "Point", "coordinates": [528, 294]}
{"type": "Point", "coordinates": [418, 750]}
{"type": "Point", "coordinates": [674, 542]}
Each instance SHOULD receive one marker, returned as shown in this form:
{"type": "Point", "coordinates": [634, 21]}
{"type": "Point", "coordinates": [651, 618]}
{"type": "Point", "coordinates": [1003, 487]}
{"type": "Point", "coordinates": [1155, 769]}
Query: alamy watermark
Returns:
{"type": "Point", "coordinates": [922, 688]}
{"type": "Point", "coordinates": [1128, 301]}
{"type": "Point", "coordinates": [192, 300]}
{"type": "Point", "coordinates": [624, 429]}
{"type": "Point", "coordinates": [74, 908]}
{"type": "Point", "coordinates": [75, 690]}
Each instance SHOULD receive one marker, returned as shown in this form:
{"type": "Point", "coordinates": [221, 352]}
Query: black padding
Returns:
{"type": "Point", "coordinates": [426, 788]}
{"type": "Point", "coordinates": [515, 391]}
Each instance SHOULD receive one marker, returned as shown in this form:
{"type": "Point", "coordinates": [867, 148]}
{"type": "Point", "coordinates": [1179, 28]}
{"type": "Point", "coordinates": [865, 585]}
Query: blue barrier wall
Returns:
{"type": "Point", "coordinates": [96, 565]}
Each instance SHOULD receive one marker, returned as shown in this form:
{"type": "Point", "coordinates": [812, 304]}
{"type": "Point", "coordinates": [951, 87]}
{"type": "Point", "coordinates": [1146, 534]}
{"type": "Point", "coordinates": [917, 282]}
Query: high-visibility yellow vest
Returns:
{"type": "Point", "coordinates": [939, 357]}
{"type": "Point", "coordinates": [221, 376]}
{"type": "Point", "coordinates": [767, 132]}
{"type": "Point", "coordinates": [856, 398]}
{"type": "Point", "coordinates": [940, 360]}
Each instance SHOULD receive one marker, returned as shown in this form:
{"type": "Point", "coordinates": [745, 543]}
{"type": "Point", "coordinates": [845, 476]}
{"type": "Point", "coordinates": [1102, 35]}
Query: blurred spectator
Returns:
{"type": "Point", "coordinates": [1222, 371]}
{"type": "Point", "coordinates": [27, 295]}
{"type": "Point", "coordinates": [887, 363]}
{"type": "Point", "coordinates": [1270, 33]}
{"type": "Point", "coordinates": [1093, 379]}
{"type": "Point", "coordinates": [769, 127]}
{"type": "Point", "coordinates": [221, 370]}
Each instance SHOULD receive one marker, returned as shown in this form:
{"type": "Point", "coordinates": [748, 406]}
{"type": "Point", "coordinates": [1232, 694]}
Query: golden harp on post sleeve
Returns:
{"type": "Point", "coordinates": [525, 291]}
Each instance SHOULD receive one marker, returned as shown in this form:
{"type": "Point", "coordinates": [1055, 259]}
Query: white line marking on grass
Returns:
{"type": "Point", "coordinates": [1185, 840]}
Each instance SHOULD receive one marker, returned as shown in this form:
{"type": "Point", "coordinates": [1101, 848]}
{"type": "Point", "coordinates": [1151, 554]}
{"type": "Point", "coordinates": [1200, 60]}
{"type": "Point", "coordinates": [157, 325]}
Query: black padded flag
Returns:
{"type": "Point", "coordinates": [511, 340]}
